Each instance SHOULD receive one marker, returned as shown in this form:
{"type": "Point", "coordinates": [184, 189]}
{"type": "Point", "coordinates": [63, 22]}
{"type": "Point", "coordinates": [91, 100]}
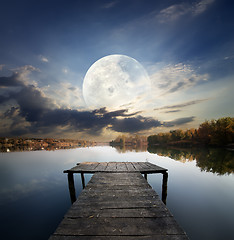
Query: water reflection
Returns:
{"type": "Point", "coordinates": [215, 160]}
{"type": "Point", "coordinates": [35, 148]}
{"type": "Point", "coordinates": [33, 184]}
{"type": "Point", "coordinates": [130, 148]}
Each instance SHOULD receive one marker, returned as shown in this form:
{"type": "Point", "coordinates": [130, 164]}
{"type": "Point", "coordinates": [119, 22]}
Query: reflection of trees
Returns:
{"type": "Point", "coordinates": [215, 160]}
{"type": "Point", "coordinates": [135, 148]}
{"type": "Point", "coordinates": [25, 148]}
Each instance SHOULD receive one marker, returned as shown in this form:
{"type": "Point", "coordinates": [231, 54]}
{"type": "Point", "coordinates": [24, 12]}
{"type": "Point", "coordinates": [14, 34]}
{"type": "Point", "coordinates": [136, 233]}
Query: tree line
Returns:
{"type": "Point", "coordinates": [218, 132]}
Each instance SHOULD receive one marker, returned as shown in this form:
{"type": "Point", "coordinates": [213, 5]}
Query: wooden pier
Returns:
{"type": "Point", "coordinates": [118, 203]}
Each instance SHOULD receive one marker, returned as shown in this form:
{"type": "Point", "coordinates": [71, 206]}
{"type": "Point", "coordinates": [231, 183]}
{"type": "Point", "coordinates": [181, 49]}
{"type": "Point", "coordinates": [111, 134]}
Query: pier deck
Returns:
{"type": "Point", "coordinates": [117, 203]}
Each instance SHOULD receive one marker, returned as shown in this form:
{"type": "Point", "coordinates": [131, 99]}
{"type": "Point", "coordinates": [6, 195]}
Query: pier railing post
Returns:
{"type": "Point", "coordinates": [164, 187]}
{"type": "Point", "coordinates": [83, 180]}
{"type": "Point", "coordinates": [71, 186]}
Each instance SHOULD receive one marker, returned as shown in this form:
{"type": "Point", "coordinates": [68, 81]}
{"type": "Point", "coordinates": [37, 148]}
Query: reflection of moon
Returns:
{"type": "Point", "coordinates": [113, 81]}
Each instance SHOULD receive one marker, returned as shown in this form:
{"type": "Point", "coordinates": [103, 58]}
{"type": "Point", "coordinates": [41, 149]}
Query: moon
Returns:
{"type": "Point", "coordinates": [114, 81]}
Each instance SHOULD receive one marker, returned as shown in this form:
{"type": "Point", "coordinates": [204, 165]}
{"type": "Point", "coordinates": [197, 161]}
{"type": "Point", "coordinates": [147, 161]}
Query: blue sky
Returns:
{"type": "Point", "coordinates": [46, 48]}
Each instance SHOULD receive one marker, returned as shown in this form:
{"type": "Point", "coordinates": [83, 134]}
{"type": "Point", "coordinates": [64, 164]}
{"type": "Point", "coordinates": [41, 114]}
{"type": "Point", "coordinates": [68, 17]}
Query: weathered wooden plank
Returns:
{"type": "Point", "coordinates": [111, 167]}
{"type": "Point", "coordinates": [118, 226]}
{"type": "Point", "coordinates": [112, 199]}
{"type": "Point", "coordinates": [154, 237]}
{"type": "Point", "coordinates": [91, 167]}
{"type": "Point", "coordinates": [136, 166]}
{"type": "Point", "coordinates": [77, 212]}
{"type": "Point", "coordinates": [121, 167]}
{"type": "Point", "coordinates": [130, 167]}
{"type": "Point", "coordinates": [116, 176]}
{"type": "Point", "coordinates": [101, 167]}
{"type": "Point", "coordinates": [122, 204]}
{"type": "Point", "coordinates": [153, 167]}
{"type": "Point", "coordinates": [144, 166]}
{"type": "Point", "coordinates": [120, 182]}
{"type": "Point", "coordinates": [86, 166]}
{"type": "Point", "coordinates": [122, 192]}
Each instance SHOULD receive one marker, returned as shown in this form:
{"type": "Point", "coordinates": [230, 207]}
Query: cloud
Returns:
{"type": "Point", "coordinates": [35, 113]}
{"type": "Point", "coordinates": [11, 81]}
{"type": "Point", "coordinates": [173, 111]}
{"type": "Point", "coordinates": [91, 122]}
{"type": "Point", "coordinates": [135, 124]}
{"type": "Point", "coordinates": [229, 57]}
{"type": "Point", "coordinates": [175, 11]}
{"type": "Point", "coordinates": [174, 78]}
{"type": "Point", "coordinates": [201, 6]}
{"type": "Point", "coordinates": [181, 105]}
{"type": "Point", "coordinates": [178, 121]}
{"type": "Point", "coordinates": [44, 59]}
{"type": "Point", "coordinates": [67, 95]}
{"type": "Point", "coordinates": [2, 66]}
{"type": "Point", "coordinates": [65, 70]}
{"type": "Point", "coordinates": [22, 74]}
{"type": "Point", "coordinates": [110, 4]}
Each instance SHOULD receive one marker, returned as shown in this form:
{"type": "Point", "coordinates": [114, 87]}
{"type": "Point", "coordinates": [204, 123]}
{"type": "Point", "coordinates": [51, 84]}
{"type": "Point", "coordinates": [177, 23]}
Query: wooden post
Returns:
{"type": "Point", "coordinates": [83, 180]}
{"type": "Point", "coordinates": [71, 186]}
{"type": "Point", "coordinates": [164, 187]}
{"type": "Point", "coordinates": [145, 175]}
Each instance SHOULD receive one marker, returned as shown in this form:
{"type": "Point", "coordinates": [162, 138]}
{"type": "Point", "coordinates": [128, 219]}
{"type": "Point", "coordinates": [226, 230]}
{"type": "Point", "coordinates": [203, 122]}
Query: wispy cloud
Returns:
{"type": "Point", "coordinates": [178, 121]}
{"type": "Point", "coordinates": [181, 105]}
{"type": "Point", "coordinates": [174, 78]}
{"type": "Point", "coordinates": [201, 6]}
{"type": "Point", "coordinates": [110, 4]}
{"type": "Point", "coordinates": [173, 111]}
{"type": "Point", "coordinates": [176, 11]}
{"type": "Point", "coordinates": [44, 59]}
{"type": "Point", "coordinates": [67, 95]}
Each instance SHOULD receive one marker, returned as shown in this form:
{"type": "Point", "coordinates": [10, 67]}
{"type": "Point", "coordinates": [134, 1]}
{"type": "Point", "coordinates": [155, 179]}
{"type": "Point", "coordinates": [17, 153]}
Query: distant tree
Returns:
{"type": "Point", "coordinates": [215, 132]}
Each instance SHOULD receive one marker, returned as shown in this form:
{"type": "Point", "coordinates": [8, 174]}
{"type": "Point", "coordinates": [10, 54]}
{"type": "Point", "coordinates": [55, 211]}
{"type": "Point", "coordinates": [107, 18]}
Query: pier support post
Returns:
{"type": "Point", "coordinates": [83, 180]}
{"type": "Point", "coordinates": [145, 175]}
{"type": "Point", "coordinates": [71, 186]}
{"type": "Point", "coordinates": [164, 187]}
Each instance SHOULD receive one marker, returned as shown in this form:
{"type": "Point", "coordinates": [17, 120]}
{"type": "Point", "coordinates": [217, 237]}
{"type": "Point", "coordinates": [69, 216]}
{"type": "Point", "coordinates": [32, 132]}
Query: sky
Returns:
{"type": "Point", "coordinates": [47, 47]}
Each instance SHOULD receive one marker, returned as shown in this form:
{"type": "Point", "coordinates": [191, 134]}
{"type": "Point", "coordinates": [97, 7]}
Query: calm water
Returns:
{"type": "Point", "coordinates": [34, 194]}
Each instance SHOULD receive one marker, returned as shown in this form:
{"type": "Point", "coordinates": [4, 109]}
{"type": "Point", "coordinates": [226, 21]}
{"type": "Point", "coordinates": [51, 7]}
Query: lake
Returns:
{"type": "Point", "coordinates": [34, 193]}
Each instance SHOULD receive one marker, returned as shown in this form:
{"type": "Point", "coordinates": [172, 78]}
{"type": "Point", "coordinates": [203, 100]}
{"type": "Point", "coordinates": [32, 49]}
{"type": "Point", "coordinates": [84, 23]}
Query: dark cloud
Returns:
{"type": "Point", "coordinates": [173, 111]}
{"type": "Point", "coordinates": [135, 124]}
{"type": "Point", "coordinates": [11, 112]}
{"type": "Point", "coordinates": [72, 88]}
{"type": "Point", "coordinates": [178, 121]}
{"type": "Point", "coordinates": [4, 99]}
{"type": "Point", "coordinates": [11, 81]}
{"type": "Point", "coordinates": [95, 121]}
{"type": "Point", "coordinates": [185, 104]}
{"type": "Point", "coordinates": [117, 113]}
{"type": "Point", "coordinates": [178, 86]}
{"type": "Point", "coordinates": [32, 103]}
{"type": "Point", "coordinates": [35, 113]}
